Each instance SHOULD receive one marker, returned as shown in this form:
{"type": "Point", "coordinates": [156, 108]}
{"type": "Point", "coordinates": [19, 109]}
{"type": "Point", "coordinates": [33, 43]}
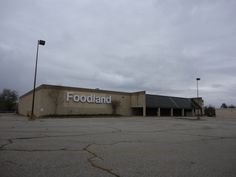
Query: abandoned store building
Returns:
{"type": "Point", "coordinates": [52, 100]}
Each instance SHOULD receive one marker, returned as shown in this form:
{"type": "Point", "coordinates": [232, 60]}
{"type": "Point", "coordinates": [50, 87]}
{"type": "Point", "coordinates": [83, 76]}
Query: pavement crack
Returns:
{"type": "Point", "coordinates": [210, 137]}
{"type": "Point", "coordinates": [41, 150]}
{"type": "Point", "coordinates": [32, 137]}
{"type": "Point", "coordinates": [9, 141]}
{"type": "Point", "coordinates": [90, 152]}
{"type": "Point", "coordinates": [62, 136]}
{"type": "Point", "coordinates": [120, 142]}
{"type": "Point", "coordinates": [93, 164]}
{"type": "Point", "coordinates": [116, 130]}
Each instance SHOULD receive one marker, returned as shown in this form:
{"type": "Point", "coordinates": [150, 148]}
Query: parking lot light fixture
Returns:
{"type": "Point", "coordinates": [40, 42]}
{"type": "Point", "coordinates": [198, 79]}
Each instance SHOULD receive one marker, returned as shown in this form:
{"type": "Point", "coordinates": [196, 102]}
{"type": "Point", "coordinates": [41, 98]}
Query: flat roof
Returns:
{"type": "Point", "coordinates": [59, 87]}
{"type": "Point", "coordinates": [155, 101]}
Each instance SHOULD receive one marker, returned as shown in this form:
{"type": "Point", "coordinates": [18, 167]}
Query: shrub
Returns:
{"type": "Point", "coordinates": [210, 111]}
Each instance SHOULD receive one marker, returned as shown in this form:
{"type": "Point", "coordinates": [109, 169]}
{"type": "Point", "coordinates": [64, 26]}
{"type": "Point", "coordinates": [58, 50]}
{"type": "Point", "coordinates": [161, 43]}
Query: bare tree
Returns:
{"type": "Point", "coordinates": [8, 100]}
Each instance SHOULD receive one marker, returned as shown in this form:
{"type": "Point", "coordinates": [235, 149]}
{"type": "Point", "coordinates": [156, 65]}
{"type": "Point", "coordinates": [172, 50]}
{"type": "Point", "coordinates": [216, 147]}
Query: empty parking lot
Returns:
{"type": "Point", "coordinates": [125, 147]}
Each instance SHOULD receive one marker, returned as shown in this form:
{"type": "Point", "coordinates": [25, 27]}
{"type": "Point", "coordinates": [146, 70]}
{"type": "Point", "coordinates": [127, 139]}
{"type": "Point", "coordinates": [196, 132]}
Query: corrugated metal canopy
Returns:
{"type": "Point", "coordinates": [158, 101]}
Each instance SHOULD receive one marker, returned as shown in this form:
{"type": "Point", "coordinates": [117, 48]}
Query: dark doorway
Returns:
{"type": "Point", "coordinates": [151, 111]}
{"type": "Point", "coordinates": [177, 112]}
{"type": "Point", "coordinates": [165, 112]}
{"type": "Point", "coordinates": [137, 111]}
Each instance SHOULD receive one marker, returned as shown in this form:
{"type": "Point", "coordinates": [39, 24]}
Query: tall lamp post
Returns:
{"type": "Point", "coordinates": [40, 42]}
{"type": "Point", "coordinates": [198, 79]}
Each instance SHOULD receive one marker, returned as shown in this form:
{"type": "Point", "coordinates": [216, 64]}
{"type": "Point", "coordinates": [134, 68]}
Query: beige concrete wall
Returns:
{"type": "Point", "coordinates": [70, 107]}
{"type": "Point", "coordinates": [138, 99]}
{"type": "Point", "coordinates": [226, 113]}
{"type": "Point", "coordinates": [53, 101]}
{"type": "Point", "coordinates": [25, 104]}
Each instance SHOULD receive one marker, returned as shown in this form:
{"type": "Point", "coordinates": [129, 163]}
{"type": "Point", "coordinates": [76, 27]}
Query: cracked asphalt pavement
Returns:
{"type": "Point", "coordinates": [120, 147]}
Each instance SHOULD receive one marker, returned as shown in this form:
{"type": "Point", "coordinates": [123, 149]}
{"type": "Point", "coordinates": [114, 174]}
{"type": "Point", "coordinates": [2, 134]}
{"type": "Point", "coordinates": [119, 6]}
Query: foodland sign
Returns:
{"type": "Point", "coordinates": [92, 98]}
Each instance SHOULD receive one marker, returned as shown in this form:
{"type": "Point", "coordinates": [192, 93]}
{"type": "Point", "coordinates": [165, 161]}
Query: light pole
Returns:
{"type": "Point", "coordinates": [40, 42]}
{"type": "Point", "coordinates": [197, 79]}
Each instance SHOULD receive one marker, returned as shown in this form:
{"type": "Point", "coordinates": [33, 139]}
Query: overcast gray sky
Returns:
{"type": "Point", "coordinates": [160, 46]}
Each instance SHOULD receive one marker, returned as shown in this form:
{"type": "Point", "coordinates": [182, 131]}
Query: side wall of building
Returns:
{"type": "Point", "coordinates": [25, 103]}
{"type": "Point", "coordinates": [138, 100]}
{"type": "Point", "coordinates": [54, 101]}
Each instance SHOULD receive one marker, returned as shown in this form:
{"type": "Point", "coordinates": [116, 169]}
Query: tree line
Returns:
{"type": "Point", "coordinates": [224, 105]}
{"type": "Point", "coordinates": [8, 100]}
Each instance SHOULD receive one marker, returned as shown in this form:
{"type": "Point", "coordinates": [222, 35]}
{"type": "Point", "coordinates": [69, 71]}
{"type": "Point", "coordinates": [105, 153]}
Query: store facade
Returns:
{"type": "Point", "coordinates": [51, 100]}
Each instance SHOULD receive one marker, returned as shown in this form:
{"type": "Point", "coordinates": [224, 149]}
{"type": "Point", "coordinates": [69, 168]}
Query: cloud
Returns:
{"type": "Point", "coordinates": [128, 45]}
